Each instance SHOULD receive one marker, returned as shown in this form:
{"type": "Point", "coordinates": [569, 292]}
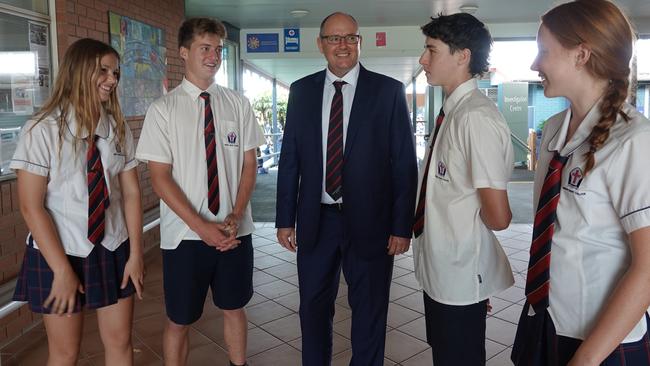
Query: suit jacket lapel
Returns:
{"type": "Point", "coordinates": [360, 106]}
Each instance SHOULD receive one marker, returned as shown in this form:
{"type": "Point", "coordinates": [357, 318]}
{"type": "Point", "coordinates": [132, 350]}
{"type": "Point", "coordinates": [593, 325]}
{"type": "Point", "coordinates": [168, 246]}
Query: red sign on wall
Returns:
{"type": "Point", "coordinates": [380, 39]}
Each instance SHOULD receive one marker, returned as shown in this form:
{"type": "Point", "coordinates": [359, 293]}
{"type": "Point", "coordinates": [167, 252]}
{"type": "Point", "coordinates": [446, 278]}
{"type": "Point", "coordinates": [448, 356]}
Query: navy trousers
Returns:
{"type": "Point", "coordinates": [368, 282]}
{"type": "Point", "coordinates": [456, 333]}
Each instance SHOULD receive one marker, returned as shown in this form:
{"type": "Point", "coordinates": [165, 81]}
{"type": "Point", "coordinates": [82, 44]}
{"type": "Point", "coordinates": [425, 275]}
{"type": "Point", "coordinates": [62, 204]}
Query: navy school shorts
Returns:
{"type": "Point", "coordinates": [193, 267]}
{"type": "Point", "coordinates": [100, 273]}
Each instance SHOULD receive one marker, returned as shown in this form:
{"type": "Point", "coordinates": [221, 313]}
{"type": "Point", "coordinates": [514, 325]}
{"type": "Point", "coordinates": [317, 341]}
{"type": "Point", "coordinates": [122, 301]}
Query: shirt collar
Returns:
{"type": "Point", "coordinates": [194, 91]}
{"type": "Point", "coordinates": [351, 77]}
{"type": "Point", "coordinates": [458, 94]}
{"type": "Point", "coordinates": [102, 129]}
{"type": "Point", "coordinates": [558, 141]}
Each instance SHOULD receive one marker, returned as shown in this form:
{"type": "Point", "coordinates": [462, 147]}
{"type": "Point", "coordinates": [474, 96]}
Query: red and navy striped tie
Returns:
{"type": "Point", "coordinates": [418, 220]}
{"type": "Point", "coordinates": [210, 155]}
{"type": "Point", "coordinates": [334, 165]}
{"type": "Point", "coordinates": [98, 200]}
{"type": "Point", "coordinates": [538, 278]}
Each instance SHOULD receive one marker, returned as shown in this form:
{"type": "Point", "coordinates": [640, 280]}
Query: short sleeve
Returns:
{"type": "Point", "coordinates": [35, 147]}
{"type": "Point", "coordinates": [154, 143]}
{"type": "Point", "coordinates": [488, 150]}
{"type": "Point", "coordinates": [253, 135]}
{"type": "Point", "coordinates": [629, 182]}
{"type": "Point", "coordinates": [129, 149]}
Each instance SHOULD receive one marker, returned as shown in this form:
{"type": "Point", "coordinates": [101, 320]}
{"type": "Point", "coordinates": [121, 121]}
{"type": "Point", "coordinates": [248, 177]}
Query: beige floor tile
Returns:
{"type": "Point", "coordinates": [513, 294]}
{"type": "Point", "coordinates": [276, 289]}
{"type": "Point", "coordinates": [511, 313]}
{"type": "Point", "coordinates": [261, 278]}
{"type": "Point", "coordinates": [283, 270]}
{"type": "Point", "coordinates": [287, 329]}
{"type": "Point", "coordinates": [401, 346]}
{"type": "Point", "coordinates": [341, 313]}
{"type": "Point", "coordinates": [266, 261]}
{"type": "Point", "coordinates": [282, 355]}
{"type": "Point", "coordinates": [408, 280]}
{"type": "Point", "coordinates": [500, 331]}
{"type": "Point", "coordinates": [414, 302]}
{"type": "Point", "coordinates": [501, 359]}
{"type": "Point", "coordinates": [424, 358]}
{"type": "Point", "coordinates": [398, 291]}
{"type": "Point", "coordinates": [265, 312]}
{"type": "Point", "coordinates": [417, 328]}
{"type": "Point", "coordinates": [208, 354]}
{"type": "Point", "coordinates": [399, 315]}
{"type": "Point", "coordinates": [260, 341]}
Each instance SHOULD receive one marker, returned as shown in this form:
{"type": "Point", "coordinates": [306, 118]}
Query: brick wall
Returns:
{"type": "Point", "coordinates": [78, 19]}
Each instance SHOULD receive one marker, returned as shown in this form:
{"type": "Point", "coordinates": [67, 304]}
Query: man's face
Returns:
{"type": "Point", "coordinates": [202, 59]}
{"type": "Point", "coordinates": [342, 56]}
{"type": "Point", "coordinates": [438, 62]}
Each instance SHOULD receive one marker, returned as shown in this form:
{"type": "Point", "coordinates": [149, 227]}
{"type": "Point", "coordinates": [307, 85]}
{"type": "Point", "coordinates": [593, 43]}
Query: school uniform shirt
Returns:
{"type": "Point", "coordinates": [458, 260]}
{"type": "Point", "coordinates": [66, 199]}
{"type": "Point", "coordinates": [590, 250]}
{"type": "Point", "coordinates": [347, 92]}
{"type": "Point", "coordinates": [173, 134]}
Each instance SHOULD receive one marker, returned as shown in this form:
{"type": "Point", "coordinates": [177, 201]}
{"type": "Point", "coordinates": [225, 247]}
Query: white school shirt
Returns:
{"type": "Point", "coordinates": [348, 97]}
{"type": "Point", "coordinates": [173, 134]}
{"type": "Point", "coordinates": [66, 199]}
{"type": "Point", "coordinates": [590, 250]}
{"type": "Point", "coordinates": [458, 260]}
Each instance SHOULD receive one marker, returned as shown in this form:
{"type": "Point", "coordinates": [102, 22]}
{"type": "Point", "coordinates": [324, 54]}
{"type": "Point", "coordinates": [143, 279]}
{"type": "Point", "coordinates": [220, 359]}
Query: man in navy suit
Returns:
{"type": "Point", "coordinates": [346, 192]}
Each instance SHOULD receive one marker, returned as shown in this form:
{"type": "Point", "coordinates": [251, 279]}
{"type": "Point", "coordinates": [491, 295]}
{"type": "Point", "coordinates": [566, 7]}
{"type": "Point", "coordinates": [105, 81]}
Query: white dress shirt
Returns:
{"type": "Point", "coordinates": [173, 133]}
{"type": "Point", "coordinates": [458, 260]}
{"type": "Point", "coordinates": [590, 250]}
{"type": "Point", "coordinates": [66, 199]}
{"type": "Point", "coordinates": [348, 97]}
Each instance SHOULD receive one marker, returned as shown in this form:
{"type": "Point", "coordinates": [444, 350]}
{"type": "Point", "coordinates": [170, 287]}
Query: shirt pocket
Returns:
{"type": "Point", "coordinates": [230, 135]}
{"type": "Point", "coordinates": [113, 157]}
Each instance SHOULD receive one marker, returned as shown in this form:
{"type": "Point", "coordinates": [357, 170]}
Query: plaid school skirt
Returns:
{"type": "Point", "coordinates": [537, 344]}
{"type": "Point", "coordinates": [100, 273]}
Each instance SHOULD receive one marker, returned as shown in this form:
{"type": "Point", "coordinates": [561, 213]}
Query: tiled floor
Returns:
{"type": "Point", "coordinates": [274, 332]}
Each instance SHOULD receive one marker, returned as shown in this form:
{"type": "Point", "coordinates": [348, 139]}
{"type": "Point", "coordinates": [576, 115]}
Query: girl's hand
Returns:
{"type": "Point", "coordinates": [134, 269]}
{"type": "Point", "coordinates": [63, 295]}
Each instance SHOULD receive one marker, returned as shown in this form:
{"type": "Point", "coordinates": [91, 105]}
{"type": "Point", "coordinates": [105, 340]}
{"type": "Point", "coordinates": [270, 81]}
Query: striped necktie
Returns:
{"type": "Point", "coordinates": [538, 278]}
{"type": "Point", "coordinates": [98, 200]}
{"type": "Point", "coordinates": [334, 166]}
{"type": "Point", "coordinates": [210, 155]}
{"type": "Point", "coordinates": [418, 220]}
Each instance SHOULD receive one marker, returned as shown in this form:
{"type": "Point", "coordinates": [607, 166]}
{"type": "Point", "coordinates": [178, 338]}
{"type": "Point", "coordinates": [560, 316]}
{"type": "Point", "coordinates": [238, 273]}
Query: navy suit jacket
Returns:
{"type": "Point", "coordinates": [379, 169]}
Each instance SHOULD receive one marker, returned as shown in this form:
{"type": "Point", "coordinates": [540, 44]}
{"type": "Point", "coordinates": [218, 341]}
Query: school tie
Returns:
{"type": "Point", "coordinates": [418, 220]}
{"type": "Point", "coordinates": [98, 200]}
{"type": "Point", "coordinates": [210, 155]}
{"type": "Point", "coordinates": [334, 165]}
{"type": "Point", "coordinates": [538, 278]}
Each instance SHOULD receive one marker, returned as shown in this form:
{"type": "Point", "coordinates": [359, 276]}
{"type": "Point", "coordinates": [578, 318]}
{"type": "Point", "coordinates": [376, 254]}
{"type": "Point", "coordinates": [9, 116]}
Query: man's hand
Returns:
{"type": "Point", "coordinates": [231, 223]}
{"type": "Point", "coordinates": [214, 234]}
{"type": "Point", "coordinates": [287, 238]}
{"type": "Point", "coordinates": [398, 245]}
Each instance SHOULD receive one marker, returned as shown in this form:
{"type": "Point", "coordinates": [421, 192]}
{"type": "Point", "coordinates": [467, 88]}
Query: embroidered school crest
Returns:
{"type": "Point", "coordinates": [232, 137]}
{"type": "Point", "coordinates": [575, 177]}
{"type": "Point", "coordinates": [442, 169]}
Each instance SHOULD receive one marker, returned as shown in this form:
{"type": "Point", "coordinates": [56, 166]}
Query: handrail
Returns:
{"type": "Point", "coordinates": [523, 144]}
{"type": "Point", "coordinates": [13, 305]}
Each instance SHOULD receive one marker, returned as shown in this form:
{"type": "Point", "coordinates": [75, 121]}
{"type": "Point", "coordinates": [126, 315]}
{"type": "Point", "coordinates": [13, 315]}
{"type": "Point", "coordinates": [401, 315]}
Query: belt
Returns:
{"type": "Point", "coordinates": [332, 206]}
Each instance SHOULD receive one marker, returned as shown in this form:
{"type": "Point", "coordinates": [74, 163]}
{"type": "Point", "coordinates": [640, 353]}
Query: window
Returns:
{"type": "Point", "coordinates": [227, 74]}
{"type": "Point", "coordinates": [25, 75]}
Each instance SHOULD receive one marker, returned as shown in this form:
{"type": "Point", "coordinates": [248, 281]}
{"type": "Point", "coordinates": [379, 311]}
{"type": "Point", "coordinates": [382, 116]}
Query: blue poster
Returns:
{"type": "Point", "coordinates": [262, 42]}
{"type": "Point", "coordinates": [291, 40]}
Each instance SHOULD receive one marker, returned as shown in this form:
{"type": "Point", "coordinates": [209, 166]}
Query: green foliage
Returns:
{"type": "Point", "coordinates": [540, 125]}
{"type": "Point", "coordinates": [263, 107]}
